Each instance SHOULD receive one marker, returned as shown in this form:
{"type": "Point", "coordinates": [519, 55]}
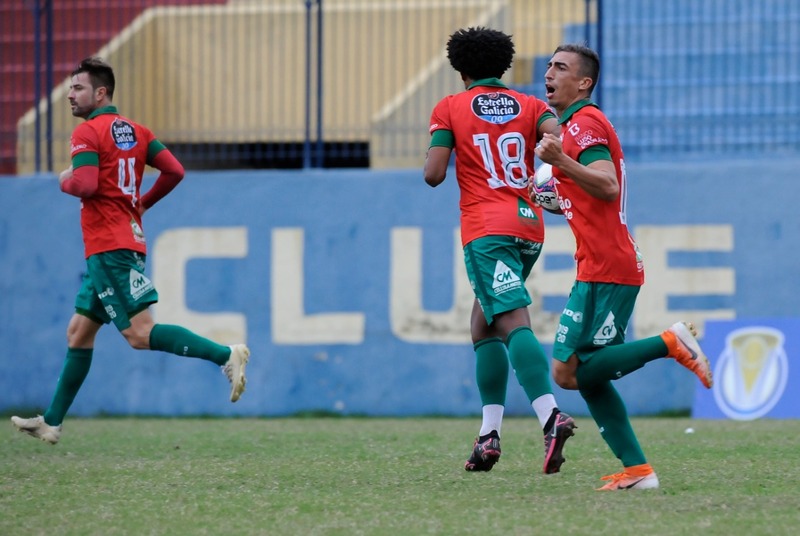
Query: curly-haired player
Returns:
{"type": "Point", "coordinates": [493, 131]}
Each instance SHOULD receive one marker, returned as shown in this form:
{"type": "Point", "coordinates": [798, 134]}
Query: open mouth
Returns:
{"type": "Point", "coordinates": [549, 90]}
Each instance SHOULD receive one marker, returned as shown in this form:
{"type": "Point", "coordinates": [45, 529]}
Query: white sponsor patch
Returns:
{"type": "Point", "coordinates": [140, 284]}
{"type": "Point", "coordinates": [607, 331]}
{"type": "Point", "coordinates": [504, 278]}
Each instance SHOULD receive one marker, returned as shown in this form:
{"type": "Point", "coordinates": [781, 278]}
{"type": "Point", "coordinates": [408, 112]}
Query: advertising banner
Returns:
{"type": "Point", "coordinates": [753, 372]}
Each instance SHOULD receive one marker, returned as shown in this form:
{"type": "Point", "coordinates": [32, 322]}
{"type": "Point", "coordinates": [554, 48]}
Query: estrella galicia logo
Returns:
{"type": "Point", "coordinates": [751, 373]}
{"type": "Point", "coordinates": [497, 108]}
{"type": "Point", "coordinates": [123, 134]}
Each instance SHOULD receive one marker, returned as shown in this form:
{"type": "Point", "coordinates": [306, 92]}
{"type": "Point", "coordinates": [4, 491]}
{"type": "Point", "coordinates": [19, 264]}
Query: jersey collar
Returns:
{"type": "Point", "coordinates": [104, 110]}
{"type": "Point", "coordinates": [495, 82]}
{"type": "Point", "coordinates": [574, 107]}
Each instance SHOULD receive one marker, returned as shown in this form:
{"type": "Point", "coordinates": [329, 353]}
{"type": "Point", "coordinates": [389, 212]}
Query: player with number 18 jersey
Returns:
{"type": "Point", "coordinates": [493, 130]}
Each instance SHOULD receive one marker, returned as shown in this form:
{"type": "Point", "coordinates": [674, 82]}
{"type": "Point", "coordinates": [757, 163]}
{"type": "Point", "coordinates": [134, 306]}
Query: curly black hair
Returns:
{"type": "Point", "coordinates": [480, 52]}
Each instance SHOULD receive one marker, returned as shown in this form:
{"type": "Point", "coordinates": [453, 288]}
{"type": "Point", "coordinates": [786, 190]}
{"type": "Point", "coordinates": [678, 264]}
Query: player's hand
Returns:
{"type": "Point", "coordinates": [549, 149]}
{"type": "Point", "coordinates": [531, 191]}
{"type": "Point", "coordinates": [65, 175]}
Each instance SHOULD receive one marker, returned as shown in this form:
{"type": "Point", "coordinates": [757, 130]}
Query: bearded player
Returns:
{"type": "Point", "coordinates": [109, 153]}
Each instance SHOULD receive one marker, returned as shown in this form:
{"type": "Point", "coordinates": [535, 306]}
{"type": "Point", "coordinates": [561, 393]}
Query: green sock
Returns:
{"type": "Point", "coordinates": [180, 341]}
{"type": "Point", "coordinates": [608, 411]}
{"type": "Point", "coordinates": [491, 370]}
{"type": "Point", "coordinates": [529, 362]}
{"type": "Point", "coordinates": [614, 362]}
{"type": "Point", "coordinates": [76, 367]}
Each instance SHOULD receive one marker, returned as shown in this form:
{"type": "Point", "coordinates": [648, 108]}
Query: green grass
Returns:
{"type": "Point", "coordinates": [390, 476]}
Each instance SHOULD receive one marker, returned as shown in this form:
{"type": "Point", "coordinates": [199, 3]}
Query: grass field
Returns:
{"type": "Point", "coordinates": [348, 476]}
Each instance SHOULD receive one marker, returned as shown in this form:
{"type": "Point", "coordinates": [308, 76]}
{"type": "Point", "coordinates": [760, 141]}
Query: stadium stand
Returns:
{"type": "Point", "coordinates": [681, 77]}
{"type": "Point", "coordinates": [702, 78]}
{"type": "Point", "coordinates": [80, 28]}
{"type": "Point", "coordinates": [379, 85]}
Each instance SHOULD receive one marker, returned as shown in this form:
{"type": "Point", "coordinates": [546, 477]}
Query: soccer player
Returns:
{"type": "Point", "coordinates": [589, 168]}
{"type": "Point", "coordinates": [109, 153]}
{"type": "Point", "coordinates": [493, 131]}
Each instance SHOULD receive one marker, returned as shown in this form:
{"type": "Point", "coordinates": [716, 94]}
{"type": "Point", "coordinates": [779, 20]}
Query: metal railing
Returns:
{"type": "Point", "coordinates": [351, 83]}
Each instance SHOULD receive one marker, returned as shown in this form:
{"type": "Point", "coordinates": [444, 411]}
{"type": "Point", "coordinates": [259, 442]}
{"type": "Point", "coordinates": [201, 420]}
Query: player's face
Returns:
{"type": "Point", "coordinates": [82, 97]}
{"type": "Point", "coordinates": [563, 82]}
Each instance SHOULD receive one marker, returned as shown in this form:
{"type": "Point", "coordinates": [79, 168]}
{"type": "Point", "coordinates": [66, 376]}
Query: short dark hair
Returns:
{"type": "Point", "coordinates": [480, 52]}
{"type": "Point", "coordinates": [100, 74]}
{"type": "Point", "coordinates": [590, 61]}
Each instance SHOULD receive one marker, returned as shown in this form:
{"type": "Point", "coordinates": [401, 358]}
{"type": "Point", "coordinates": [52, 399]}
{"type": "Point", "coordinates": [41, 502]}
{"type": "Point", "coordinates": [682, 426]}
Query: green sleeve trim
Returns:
{"type": "Point", "coordinates": [545, 117]}
{"type": "Point", "coordinates": [594, 153]}
{"type": "Point", "coordinates": [443, 138]}
{"type": "Point", "coordinates": [85, 159]}
{"type": "Point", "coordinates": [153, 149]}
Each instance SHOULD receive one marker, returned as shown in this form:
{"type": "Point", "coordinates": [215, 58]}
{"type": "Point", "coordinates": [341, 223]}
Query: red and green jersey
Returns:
{"type": "Point", "coordinates": [120, 149]}
{"type": "Point", "coordinates": [606, 251]}
{"type": "Point", "coordinates": [494, 133]}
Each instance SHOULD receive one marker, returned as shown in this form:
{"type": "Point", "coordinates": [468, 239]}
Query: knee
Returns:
{"type": "Point", "coordinates": [81, 332]}
{"type": "Point", "coordinates": [71, 336]}
{"type": "Point", "coordinates": [565, 378]}
{"type": "Point", "coordinates": [139, 339]}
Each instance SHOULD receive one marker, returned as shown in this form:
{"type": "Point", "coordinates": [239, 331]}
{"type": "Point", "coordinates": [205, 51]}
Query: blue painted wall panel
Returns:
{"type": "Point", "coordinates": [348, 220]}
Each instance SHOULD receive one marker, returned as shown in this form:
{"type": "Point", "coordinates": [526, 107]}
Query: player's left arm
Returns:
{"type": "Point", "coordinates": [172, 173]}
{"type": "Point", "coordinates": [598, 178]}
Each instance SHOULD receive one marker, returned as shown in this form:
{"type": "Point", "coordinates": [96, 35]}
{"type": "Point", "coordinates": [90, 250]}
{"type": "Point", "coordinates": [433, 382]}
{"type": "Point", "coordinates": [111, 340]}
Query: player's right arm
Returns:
{"type": "Point", "coordinates": [436, 162]}
{"type": "Point", "coordinates": [598, 179]}
{"type": "Point", "coordinates": [441, 147]}
{"type": "Point", "coordinates": [82, 178]}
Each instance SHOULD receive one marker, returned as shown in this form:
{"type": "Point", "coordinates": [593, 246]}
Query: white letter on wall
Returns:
{"type": "Point", "coordinates": [290, 324]}
{"type": "Point", "coordinates": [409, 321]}
{"type": "Point", "coordinates": [172, 250]}
{"type": "Point", "coordinates": [652, 315]}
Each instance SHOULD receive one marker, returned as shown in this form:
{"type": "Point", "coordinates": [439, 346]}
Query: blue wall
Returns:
{"type": "Point", "coordinates": [303, 264]}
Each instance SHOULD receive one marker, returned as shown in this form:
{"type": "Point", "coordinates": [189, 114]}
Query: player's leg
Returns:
{"type": "Point", "coordinates": [532, 371]}
{"type": "Point", "coordinates": [497, 267]}
{"type": "Point", "coordinates": [584, 324]}
{"type": "Point", "coordinates": [616, 358]}
{"type": "Point", "coordinates": [81, 332]}
{"type": "Point", "coordinates": [144, 333]}
{"type": "Point", "coordinates": [491, 376]}
{"type": "Point", "coordinates": [128, 302]}
{"type": "Point", "coordinates": [491, 371]}
{"type": "Point", "coordinates": [609, 412]}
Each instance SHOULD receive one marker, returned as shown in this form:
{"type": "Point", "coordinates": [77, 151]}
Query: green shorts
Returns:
{"type": "Point", "coordinates": [497, 267]}
{"type": "Point", "coordinates": [114, 288]}
{"type": "Point", "coordinates": [596, 316]}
